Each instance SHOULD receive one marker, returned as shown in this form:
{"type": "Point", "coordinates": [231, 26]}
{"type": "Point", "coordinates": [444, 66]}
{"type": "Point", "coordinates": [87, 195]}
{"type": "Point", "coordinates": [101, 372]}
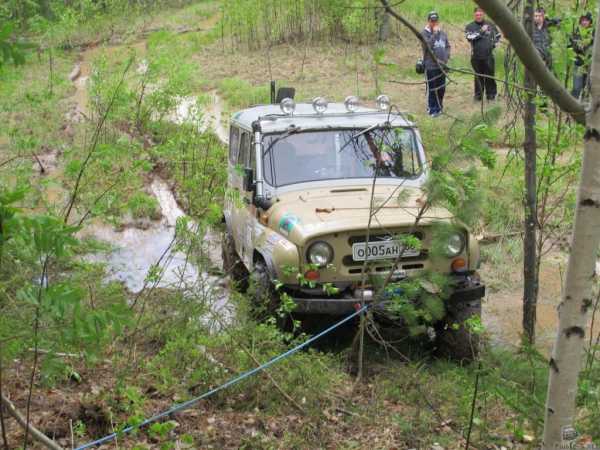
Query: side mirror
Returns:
{"type": "Point", "coordinates": [248, 180]}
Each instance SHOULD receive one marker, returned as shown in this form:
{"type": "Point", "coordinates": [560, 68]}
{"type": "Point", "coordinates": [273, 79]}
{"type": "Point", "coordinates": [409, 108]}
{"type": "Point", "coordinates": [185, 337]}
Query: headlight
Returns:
{"type": "Point", "coordinates": [287, 105]}
{"type": "Point", "coordinates": [351, 103]}
{"type": "Point", "coordinates": [319, 104]}
{"type": "Point", "coordinates": [455, 245]}
{"type": "Point", "coordinates": [383, 102]}
{"type": "Point", "coordinates": [320, 253]}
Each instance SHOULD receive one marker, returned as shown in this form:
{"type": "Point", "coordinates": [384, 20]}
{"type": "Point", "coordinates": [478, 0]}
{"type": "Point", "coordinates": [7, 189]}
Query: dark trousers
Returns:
{"type": "Point", "coordinates": [580, 78]}
{"type": "Point", "coordinates": [436, 88]}
{"type": "Point", "coordinates": [484, 85]}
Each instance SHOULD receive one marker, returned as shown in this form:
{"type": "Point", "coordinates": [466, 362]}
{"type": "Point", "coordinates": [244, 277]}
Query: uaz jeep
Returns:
{"type": "Point", "coordinates": [324, 187]}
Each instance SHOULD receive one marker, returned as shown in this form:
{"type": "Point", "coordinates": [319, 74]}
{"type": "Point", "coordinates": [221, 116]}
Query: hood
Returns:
{"type": "Point", "coordinates": [302, 215]}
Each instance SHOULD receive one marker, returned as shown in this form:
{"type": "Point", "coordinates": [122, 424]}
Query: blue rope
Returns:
{"type": "Point", "coordinates": [231, 382]}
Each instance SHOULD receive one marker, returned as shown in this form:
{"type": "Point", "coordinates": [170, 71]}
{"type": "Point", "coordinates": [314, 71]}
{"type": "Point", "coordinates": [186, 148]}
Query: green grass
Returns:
{"type": "Point", "coordinates": [240, 93]}
{"type": "Point", "coordinates": [451, 11]}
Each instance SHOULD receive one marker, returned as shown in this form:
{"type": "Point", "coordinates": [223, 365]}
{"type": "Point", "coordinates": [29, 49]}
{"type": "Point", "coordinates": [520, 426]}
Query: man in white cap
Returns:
{"type": "Point", "coordinates": [436, 53]}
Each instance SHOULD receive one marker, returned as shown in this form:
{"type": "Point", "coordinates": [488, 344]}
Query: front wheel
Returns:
{"type": "Point", "coordinates": [457, 335]}
{"type": "Point", "coordinates": [265, 300]}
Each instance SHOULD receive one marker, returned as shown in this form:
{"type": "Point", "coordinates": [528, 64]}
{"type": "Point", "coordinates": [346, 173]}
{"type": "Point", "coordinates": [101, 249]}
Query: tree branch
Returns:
{"type": "Point", "coordinates": [35, 433]}
{"type": "Point", "coordinates": [531, 59]}
{"type": "Point", "coordinates": [414, 31]}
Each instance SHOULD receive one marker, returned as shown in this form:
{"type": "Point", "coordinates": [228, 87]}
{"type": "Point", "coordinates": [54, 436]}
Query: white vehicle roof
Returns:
{"type": "Point", "coordinates": [272, 119]}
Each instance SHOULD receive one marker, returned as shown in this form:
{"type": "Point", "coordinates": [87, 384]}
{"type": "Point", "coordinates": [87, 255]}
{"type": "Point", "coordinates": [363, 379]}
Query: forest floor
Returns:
{"type": "Point", "coordinates": [401, 405]}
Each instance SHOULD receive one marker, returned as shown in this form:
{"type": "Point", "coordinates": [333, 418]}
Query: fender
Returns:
{"type": "Point", "coordinates": [271, 246]}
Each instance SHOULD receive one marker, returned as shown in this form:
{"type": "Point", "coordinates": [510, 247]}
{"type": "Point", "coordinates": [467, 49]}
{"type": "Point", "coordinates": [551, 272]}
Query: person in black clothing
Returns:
{"type": "Point", "coordinates": [541, 35]}
{"type": "Point", "coordinates": [582, 42]}
{"type": "Point", "coordinates": [435, 41]}
{"type": "Point", "coordinates": [483, 37]}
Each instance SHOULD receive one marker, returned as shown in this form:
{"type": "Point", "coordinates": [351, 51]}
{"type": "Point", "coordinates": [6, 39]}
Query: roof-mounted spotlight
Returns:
{"type": "Point", "coordinates": [288, 106]}
{"type": "Point", "coordinates": [351, 103]}
{"type": "Point", "coordinates": [319, 104]}
{"type": "Point", "coordinates": [383, 102]}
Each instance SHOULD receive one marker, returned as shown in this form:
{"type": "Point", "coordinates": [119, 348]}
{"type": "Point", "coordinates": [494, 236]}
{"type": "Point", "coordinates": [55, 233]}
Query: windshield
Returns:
{"type": "Point", "coordinates": [340, 154]}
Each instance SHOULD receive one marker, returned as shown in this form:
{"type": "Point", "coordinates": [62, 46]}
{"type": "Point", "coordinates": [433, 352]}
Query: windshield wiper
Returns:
{"type": "Point", "coordinates": [360, 133]}
{"type": "Point", "coordinates": [281, 137]}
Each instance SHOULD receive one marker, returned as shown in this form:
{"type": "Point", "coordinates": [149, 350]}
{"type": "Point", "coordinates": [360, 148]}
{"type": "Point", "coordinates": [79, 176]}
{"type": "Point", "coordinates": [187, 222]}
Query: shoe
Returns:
{"type": "Point", "coordinates": [435, 114]}
{"type": "Point", "coordinates": [477, 99]}
{"type": "Point", "coordinates": [491, 99]}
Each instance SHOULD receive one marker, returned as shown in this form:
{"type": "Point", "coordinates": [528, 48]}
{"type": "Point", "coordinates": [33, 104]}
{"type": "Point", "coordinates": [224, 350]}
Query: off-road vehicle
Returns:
{"type": "Point", "coordinates": [322, 187]}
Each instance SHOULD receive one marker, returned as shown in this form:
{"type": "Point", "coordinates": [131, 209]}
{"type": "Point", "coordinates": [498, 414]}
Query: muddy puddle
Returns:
{"type": "Point", "coordinates": [149, 247]}
{"type": "Point", "coordinates": [136, 252]}
{"type": "Point", "coordinates": [502, 310]}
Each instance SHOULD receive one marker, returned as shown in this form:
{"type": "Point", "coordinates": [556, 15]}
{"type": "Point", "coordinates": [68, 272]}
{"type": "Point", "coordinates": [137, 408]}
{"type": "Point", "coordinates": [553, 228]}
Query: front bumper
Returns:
{"type": "Point", "coordinates": [467, 289]}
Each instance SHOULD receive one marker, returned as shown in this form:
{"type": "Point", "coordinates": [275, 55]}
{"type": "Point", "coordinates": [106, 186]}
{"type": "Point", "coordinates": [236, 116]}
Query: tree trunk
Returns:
{"type": "Point", "coordinates": [530, 273]}
{"type": "Point", "coordinates": [566, 360]}
{"type": "Point", "coordinates": [383, 31]}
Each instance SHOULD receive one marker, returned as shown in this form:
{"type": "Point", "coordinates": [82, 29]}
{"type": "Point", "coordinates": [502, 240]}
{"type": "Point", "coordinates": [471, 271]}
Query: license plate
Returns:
{"type": "Point", "coordinates": [381, 250]}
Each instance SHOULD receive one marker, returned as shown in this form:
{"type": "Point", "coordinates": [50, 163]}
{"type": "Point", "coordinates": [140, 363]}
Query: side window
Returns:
{"type": "Point", "coordinates": [244, 150]}
{"type": "Point", "coordinates": [267, 165]}
{"type": "Point", "coordinates": [234, 142]}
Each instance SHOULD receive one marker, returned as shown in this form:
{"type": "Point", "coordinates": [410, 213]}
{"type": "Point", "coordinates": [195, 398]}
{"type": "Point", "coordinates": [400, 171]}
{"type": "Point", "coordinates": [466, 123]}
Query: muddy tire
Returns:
{"type": "Point", "coordinates": [454, 339]}
{"type": "Point", "coordinates": [262, 292]}
{"type": "Point", "coordinates": [265, 300]}
{"type": "Point", "coordinates": [232, 264]}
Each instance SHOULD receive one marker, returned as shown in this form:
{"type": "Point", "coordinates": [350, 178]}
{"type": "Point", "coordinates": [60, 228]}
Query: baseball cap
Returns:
{"type": "Point", "coordinates": [433, 16]}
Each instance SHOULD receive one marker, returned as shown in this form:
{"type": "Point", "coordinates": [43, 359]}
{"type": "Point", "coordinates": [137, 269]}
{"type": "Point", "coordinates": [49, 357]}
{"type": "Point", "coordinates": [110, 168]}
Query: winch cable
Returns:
{"type": "Point", "coordinates": [181, 406]}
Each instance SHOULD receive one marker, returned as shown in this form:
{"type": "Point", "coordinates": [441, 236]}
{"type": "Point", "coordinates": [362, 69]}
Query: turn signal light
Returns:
{"type": "Point", "coordinates": [459, 265]}
{"type": "Point", "coordinates": [312, 275]}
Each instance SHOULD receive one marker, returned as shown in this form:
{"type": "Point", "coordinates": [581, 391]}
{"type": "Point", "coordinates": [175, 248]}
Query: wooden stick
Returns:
{"type": "Point", "coordinates": [35, 433]}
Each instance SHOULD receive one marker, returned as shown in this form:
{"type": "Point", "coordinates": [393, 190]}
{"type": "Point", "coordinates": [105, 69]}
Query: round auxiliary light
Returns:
{"type": "Point", "coordinates": [287, 105]}
{"type": "Point", "coordinates": [383, 102]}
{"type": "Point", "coordinates": [351, 103]}
{"type": "Point", "coordinates": [319, 104]}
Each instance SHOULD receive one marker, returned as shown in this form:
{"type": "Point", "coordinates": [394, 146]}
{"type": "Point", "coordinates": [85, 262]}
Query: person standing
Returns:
{"type": "Point", "coordinates": [483, 37]}
{"type": "Point", "coordinates": [541, 35]}
{"type": "Point", "coordinates": [436, 53]}
{"type": "Point", "coordinates": [582, 42]}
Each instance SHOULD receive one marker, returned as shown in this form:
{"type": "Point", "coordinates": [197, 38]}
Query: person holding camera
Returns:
{"type": "Point", "coordinates": [582, 42]}
{"type": "Point", "coordinates": [483, 37]}
{"type": "Point", "coordinates": [436, 53]}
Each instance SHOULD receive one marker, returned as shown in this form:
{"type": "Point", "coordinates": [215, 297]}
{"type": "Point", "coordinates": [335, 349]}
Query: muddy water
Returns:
{"type": "Point", "coordinates": [502, 311]}
{"type": "Point", "coordinates": [135, 251]}
{"type": "Point", "coordinates": [81, 73]}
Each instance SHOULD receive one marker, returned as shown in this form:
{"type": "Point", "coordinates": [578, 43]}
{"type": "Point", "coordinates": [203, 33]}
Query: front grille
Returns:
{"type": "Point", "coordinates": [380, 237]}
{"type": "Point", "coordinates": [346, 265]}
{"type": "Point", "coordinates": [347, 260]}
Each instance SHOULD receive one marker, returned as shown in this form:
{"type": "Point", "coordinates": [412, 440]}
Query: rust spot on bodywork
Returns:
{"type": "Point", "coordinates": [324, 210]}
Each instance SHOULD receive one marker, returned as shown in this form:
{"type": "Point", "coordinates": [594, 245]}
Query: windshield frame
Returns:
{"type": "Point", "coordinates": [415, 138]}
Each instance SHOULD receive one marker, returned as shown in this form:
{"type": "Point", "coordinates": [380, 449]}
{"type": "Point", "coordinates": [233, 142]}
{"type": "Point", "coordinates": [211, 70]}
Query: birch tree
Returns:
{"type": "Point", "coordinates": [565, 363]}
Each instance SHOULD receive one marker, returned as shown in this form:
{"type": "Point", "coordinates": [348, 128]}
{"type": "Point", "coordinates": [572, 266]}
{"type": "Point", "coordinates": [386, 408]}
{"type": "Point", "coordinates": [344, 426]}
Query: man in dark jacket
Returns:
{"type": "Point", "coordinates": [541, 35]}
{"type": "Point", "coordinates": [436, 53]}
{"type": "Point", "coordinates": [483, 37]}
{"type": "Point", "coordinates": [582, 42]}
